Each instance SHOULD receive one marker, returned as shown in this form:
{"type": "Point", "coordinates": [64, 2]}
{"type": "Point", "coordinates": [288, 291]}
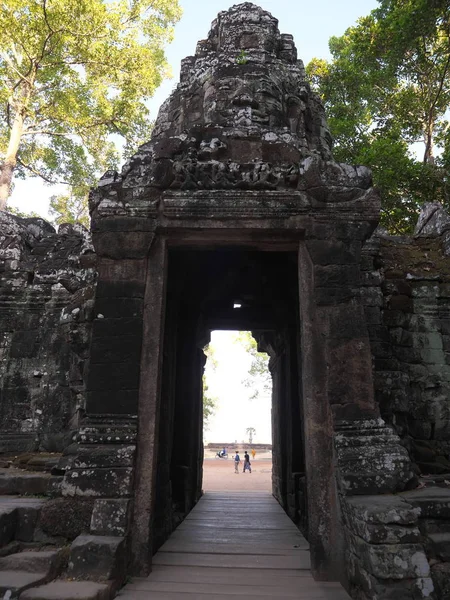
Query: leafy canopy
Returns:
{"type": "Point", "coordinates": [70, 208]}
{"type": "Point", "coordinates": [73, 73]}
{"type": "Point", "coordinates": [387, 88]}
{"type": "Point", "coordinates": [259, 380]}
{"type": "Point", "coordinates": [209, 402]}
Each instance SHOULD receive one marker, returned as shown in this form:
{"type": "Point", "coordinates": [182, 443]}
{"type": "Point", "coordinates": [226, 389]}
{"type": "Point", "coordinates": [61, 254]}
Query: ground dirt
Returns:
{"type": "Point", "coordinates": [219, 475]}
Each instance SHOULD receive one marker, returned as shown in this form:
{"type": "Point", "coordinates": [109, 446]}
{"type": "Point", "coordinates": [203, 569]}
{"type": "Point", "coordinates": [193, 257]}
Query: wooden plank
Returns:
{"type": "Point", "coordinates": [234, 562]}
{"type": "Point", "coordinates": [238, 546]}
{"type": "Point", "coordinates": [302, 595]}
{"type": "Point", "coordinates": [292, 590]}
{"type": "Point", "coordinates": [218, 548]}
{"type": "Point", "coordinates": [213, 575]}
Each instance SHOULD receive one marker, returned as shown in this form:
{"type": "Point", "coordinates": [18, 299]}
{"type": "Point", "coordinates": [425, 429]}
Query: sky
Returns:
{"type": "Point", "coordinates": [235, 411]}
{"type": "Point", "coordinates": [311, 22]}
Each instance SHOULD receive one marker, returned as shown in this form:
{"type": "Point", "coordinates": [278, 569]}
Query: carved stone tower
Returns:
{"type": "Point", "coordinates": [239, 171]}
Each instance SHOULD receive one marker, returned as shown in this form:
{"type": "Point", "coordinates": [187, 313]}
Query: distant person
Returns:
{"type": "Point", "coordinates": [224, 451]}
{"type": "Point", "coordinates": [247, 463]}
{"type": "Point", "coordinates": [237, 460]}
{"type": "Point", "coordinates": [253, 453]}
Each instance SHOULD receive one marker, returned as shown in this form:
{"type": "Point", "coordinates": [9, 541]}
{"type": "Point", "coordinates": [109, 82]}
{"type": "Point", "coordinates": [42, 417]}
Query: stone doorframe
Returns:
{"type": "Point", "coordinates": [336, 358]}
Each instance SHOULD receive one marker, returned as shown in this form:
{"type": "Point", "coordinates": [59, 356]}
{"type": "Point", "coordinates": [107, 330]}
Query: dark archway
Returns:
{"type": "Point", "coordinates": [203, 287]}
{"type": "Point", "coordinates": [199, 298]}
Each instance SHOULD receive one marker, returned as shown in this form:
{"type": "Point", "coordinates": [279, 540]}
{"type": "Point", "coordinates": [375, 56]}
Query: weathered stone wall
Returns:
{"type": "Point", "coordinates": [407, 300]}
{"type": "Point", "coordinates": [46, 298]}
{"type": "Point", "coordinates": [391, 544]}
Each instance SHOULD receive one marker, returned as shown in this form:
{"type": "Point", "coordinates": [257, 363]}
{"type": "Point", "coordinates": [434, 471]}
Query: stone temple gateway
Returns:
{"type": "Point", "coordinates": [235, 198]}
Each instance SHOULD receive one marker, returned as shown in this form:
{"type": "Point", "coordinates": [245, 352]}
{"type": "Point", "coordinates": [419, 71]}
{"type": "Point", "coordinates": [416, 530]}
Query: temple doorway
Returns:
{"type": "Point", "coordinates": [237, 409]}
{"type": "Point", "coordinates": [224, 290]}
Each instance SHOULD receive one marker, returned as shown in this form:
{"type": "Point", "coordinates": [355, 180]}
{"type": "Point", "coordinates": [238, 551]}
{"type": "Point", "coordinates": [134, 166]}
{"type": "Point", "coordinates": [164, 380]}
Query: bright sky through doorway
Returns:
{"type": "Point", "coordinates": [235, 412]}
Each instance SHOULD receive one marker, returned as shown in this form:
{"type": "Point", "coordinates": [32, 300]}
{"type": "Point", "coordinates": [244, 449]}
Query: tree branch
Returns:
{"type": "Point", "coordinates": [46, 132]}
{"type": "Point", "coordinates": [14, 68]}
{"type": "Point", "coordinates": [39, 174]}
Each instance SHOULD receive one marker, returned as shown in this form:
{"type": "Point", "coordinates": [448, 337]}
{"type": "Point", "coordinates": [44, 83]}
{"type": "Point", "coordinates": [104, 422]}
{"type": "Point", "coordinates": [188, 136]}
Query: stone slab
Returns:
{"type": "Point", "coordinates": [383, 509]}
{"type": "Point", "coordinates": [14, 483]}
{"type": "Point", "coordinates": [441, 545]}
{"type": "Point", "coordinates": [434, 502]}
{"type": "Point", "coordinates": [97, 558]}
{"type": "Point", "coordinates": [8, 523]}
{"type": "Point", "coordinates": [29, 562]}
{"type": "Point", "coordinates": [110, 517]}
{"type": "Point", "coordinates": [69, 590]}
{"type": "Point", "coordinates": [16, 581]}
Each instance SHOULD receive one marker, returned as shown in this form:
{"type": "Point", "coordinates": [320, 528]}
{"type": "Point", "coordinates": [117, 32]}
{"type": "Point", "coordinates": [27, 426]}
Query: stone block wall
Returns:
{"type": "Point", "coordinates": [47, 284]}
{"type": "Point", "coordinates": [407, 305]}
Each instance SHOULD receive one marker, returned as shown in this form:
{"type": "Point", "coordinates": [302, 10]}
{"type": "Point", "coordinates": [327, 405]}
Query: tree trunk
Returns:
{"type": "Point", "coordinates": [428, 158]}
{"type": "Point", "coordinates": [10, 160]}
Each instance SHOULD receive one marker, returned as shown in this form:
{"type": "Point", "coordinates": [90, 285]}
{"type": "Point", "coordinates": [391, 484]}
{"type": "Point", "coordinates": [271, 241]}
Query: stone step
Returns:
{"type": "Point", "coordinates": [18, 517]}
{"type": "Point", "coordinates": [98, 558]}
{"type": "Point", "coordinates": [434, 502]}
{"type": "Point", "coordinates": [43, 561]}
{"type": "Point", "coordinates": [69, 590]}
{"type": "Point", "coordinates": [429, 526]}
{"type": "Point", "coordinates": [8, 524]}
{"type": "Point", "coordinates": [14, 482]}
{"type": "Point", "coordinates": [441, 579]}
{"type": "Point", "coordinates": [440, 543]}
{"type": "Point", "coordinates": [18, 581]}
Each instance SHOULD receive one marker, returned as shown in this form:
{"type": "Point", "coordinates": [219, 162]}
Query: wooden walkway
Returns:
{"type": "Point", "coordinates": [233, 546]}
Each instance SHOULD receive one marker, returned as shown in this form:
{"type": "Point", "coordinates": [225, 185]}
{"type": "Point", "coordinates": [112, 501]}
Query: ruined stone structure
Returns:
{"type": "Point", "coordinates": [47, 289]}
{"type": "Point", "coordinates": [237, 198]}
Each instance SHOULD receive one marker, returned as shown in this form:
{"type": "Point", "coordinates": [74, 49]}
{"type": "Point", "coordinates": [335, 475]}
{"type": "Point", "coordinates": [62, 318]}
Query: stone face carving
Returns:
{"type": "Point", "coordinates": [242, 117]}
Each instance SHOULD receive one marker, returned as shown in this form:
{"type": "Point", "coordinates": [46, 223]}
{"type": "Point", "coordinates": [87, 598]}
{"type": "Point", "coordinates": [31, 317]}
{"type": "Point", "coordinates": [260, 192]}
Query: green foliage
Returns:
{"type": "Point", "coordinates": [387, 87]}
{"type": "Point", "coordinates": [209, 402]}
{"type": "Point", "coordinates": [242, 58]}
{"type": "Point", "coordinates": [209, 405]}
{"type": "Point", "coordinates": [23, 215]}
{"type": "Point", "coordinates": [70, 208]}
{"type": "Point", "coordinates": [72, 74]}
{"type": "Point", "coordinates": [259, 379]}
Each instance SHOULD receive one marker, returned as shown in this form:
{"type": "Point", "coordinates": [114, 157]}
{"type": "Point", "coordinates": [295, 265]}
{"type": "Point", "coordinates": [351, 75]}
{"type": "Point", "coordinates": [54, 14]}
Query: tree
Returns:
{"type": "Point", "coordinates": [70, 208]}
{"type": "Point", "coordinates": [209, 402]}
{"type": "Point", "coordinates": [386, 88]}
{"type": "Point", "coordinates": [259, 379]}
{"type": "Point", "coordinates": [250, 432]}
{"type": "Point", "coordinates": [72, 73]}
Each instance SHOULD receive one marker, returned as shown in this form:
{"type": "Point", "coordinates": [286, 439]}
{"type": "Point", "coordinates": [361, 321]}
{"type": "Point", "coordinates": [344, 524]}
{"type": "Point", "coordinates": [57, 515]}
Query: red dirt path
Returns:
{"type": "Point", "coordinates": [219, 475]}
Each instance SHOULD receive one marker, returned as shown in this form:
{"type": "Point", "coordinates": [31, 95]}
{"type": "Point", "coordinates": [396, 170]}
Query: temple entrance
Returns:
{"type": "Point", "coordinates": [236, 200]}
{"type": "Point", "coordinates": [237, 414]}
{"type": "Point", "coordinates": [233, 288]}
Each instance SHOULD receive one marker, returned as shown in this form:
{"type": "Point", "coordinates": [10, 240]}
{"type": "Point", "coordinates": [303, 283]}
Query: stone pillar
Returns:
{"type": "Point", "coordinates": [280, 419]}
{"type": "Point", "coordinates": [318, 429]}
{"type": "Point", "coordinates": [347, 445]}
{"type": "Point", "coordinates": [103, 464]}
{"type": "Point", "coordinates": [188, 414]}
{"type": "Point", "coordinates": [149, 405]}
{"type": "Point", "coordinates": [337, 378]}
